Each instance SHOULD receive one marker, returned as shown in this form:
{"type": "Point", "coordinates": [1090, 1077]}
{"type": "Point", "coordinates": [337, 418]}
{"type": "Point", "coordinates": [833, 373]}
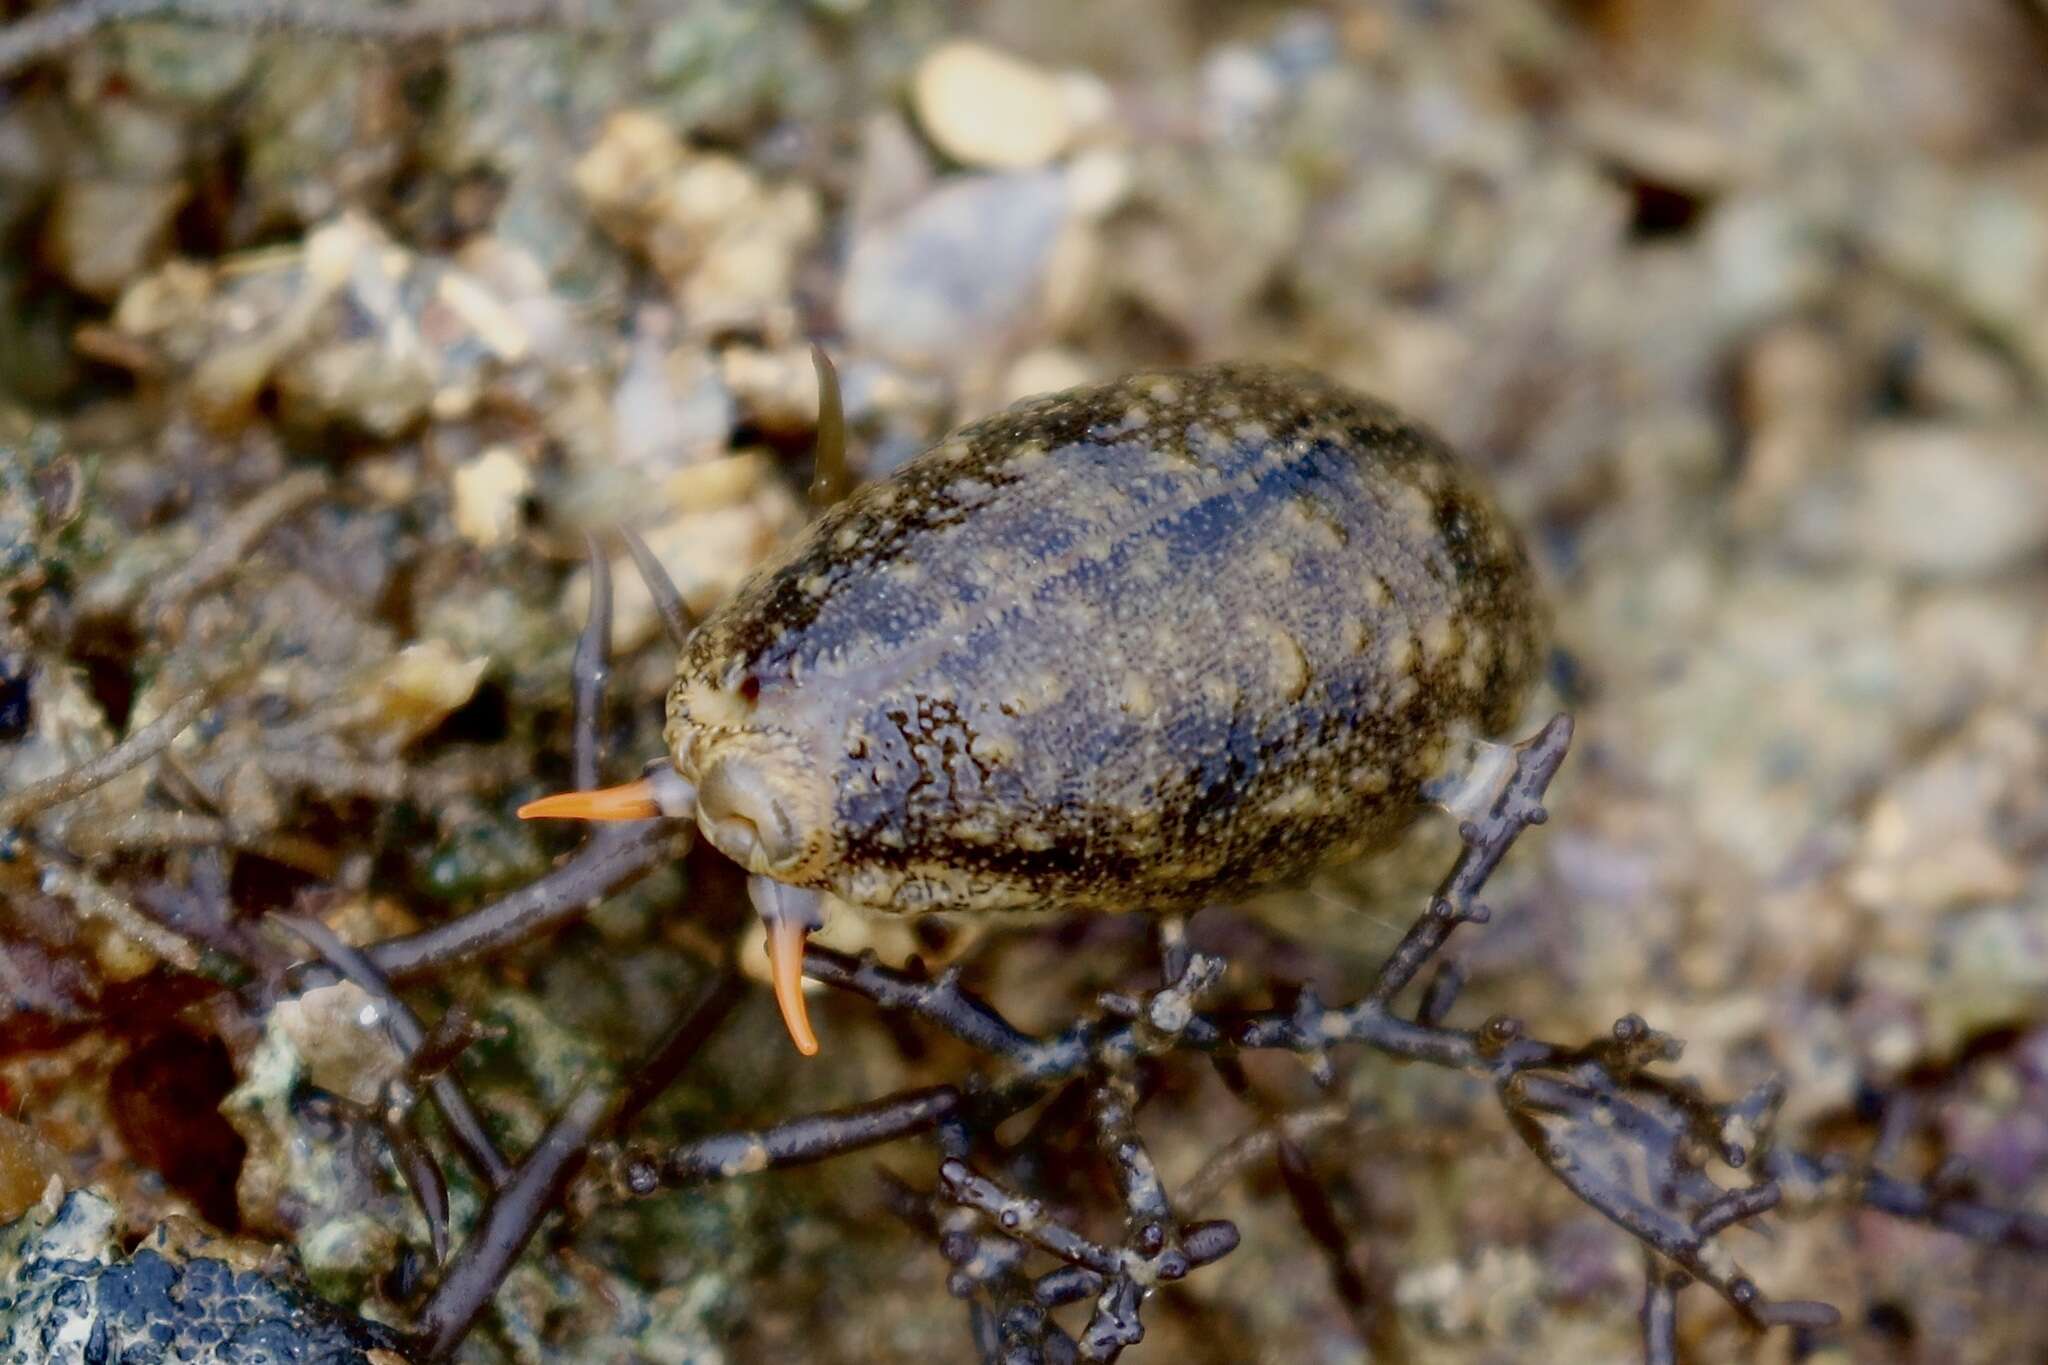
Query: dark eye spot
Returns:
{"type": "Point", "coordinates": [750, 689]}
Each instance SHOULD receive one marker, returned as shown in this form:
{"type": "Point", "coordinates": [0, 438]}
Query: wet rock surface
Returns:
{"type": "Point", "coordinates": [73, 1298]}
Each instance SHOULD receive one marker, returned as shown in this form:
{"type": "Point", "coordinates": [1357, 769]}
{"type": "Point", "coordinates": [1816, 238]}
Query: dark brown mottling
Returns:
{"type": "Point", "coordinates": [1142, 645]}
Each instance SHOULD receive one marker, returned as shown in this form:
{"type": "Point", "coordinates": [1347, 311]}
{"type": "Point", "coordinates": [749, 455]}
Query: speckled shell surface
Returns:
{"type": "Point", "coordinates": [1141, 645]}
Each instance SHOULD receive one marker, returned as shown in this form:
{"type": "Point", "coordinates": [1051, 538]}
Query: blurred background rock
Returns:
{"type": "Point", "coordinates": [1743, 305]}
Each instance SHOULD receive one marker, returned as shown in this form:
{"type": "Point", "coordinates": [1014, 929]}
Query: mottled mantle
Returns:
{"type": "Point", "coordinates": [1145, 644]}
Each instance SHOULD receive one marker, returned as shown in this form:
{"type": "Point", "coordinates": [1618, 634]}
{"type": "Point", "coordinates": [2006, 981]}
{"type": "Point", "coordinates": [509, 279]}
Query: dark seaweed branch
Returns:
{"type": "Point", "coordinates": [428, 1054]}
{"type": "Point", "coordinates": [94, 899]}
{"type": "Point", "coordinates": [1156, 1250]}
{"type": "Point", "coordinates": [398, 1104]}
{"type": "Point", "coordinates": [399, 1116]}
{"type": "Point", "coordinates": [610, 860]}
{"type": "Point", "coordinates": [1118, 1279]}
{"type": "Point", "coordinates": [940, 1001]}
{"type": "Point", "coordinates": [1660, 1311]}
{"type": "Point", "coordinates": [521, 1201]}
{"type": "Point", "coordinates": [793, 1142]}
{"type": "Point", "coordinates": [1815, 1177]}
{"type": "Point", "coordinates": [465, 1125]}
{"type": "Point", "coordinates": [1317, 1214]}
{"type": "Point", "coordinates": [680, 1045]}
{"type": "Point", "coordinates": [1025, 1220]}
{"type": "Point", "coordinates": [152, 831]}
{"type": "Point", "coordinates": [1633, 1148]}
{"type": "Point", "coordinates": [229, 543]}
{"type": "Point", "coordinates": [1262, 1144]}
{"type": "Point", "coordinates": [1486, 841]}
{"type": "Point", "coordinates": [137, 749]}
{"type": "Point", "coordinates": [509, 1220]}
{"type": "Point", "coordinates": [1014, 1326]}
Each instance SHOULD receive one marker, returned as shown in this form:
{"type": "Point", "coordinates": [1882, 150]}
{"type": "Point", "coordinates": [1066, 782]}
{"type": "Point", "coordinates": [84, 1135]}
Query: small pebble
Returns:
{"type": "Point", "coordinates": [419, 687]}
{"type": "Point", "coordinates": [488, 492]}
{"type": "Point", "coordinates": [984, 107]}
{"type": "Point", "coordinates": [962, 272]}
{"type": "Point", "coordinates": [103, 233]}
{"type": "Point", "coordinates": [1952, 500]}
{"type": "Point", "coordinates": [671, 408]}
{"type": "Point", "coordinates": [342, 1046]}
{"type": "Point", "coordinates": [1047, 369]}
